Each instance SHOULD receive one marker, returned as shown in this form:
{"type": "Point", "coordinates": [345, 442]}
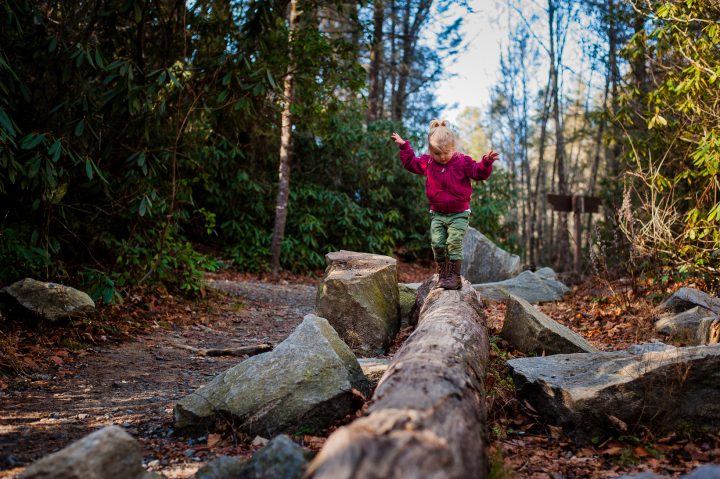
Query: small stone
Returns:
{"type": "Point", "coordinates": [153, 463]}
{"type": "Point", "coordinates": [260, 441]}
{"type": "Point", "coordinates": [190, 453]}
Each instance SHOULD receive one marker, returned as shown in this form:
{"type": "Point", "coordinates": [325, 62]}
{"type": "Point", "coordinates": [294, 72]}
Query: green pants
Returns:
{"type": "Point", "coordinates": [447, 233]}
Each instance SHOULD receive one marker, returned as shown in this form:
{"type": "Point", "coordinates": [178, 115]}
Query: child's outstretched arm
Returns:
{"type": "Point", "coordinates": [483, 169]}
{"type": "Point", "coordinates": [411, 163]}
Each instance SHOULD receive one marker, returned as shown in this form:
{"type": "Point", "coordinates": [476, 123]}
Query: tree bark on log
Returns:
{"type": "Point", "coordinates": [427, 418]}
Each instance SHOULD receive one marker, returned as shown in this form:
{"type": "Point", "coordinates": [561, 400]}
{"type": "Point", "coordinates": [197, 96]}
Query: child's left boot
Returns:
{"type": "Point", "coordinates": [441, 267]}
{"type": "Point", "coordinates": [452, 278]}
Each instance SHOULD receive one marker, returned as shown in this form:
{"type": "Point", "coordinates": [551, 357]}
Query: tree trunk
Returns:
{"type": "Point", "coordinates": [427, 418]}
{"type": "Point", "coordinates": [410, 38]}
{"type": "Point", "coordinates": [285, 144]}
{"type": "Point", "coordinates": [393, 56]}
{"type": "Point", "coordinates": [538, 213]}
{"type": "Point", "coordinates": [596, 157]}
{"type": "Point", "coordinates": [613, 151]}
{"type": "Point", "coordinates": [528, 224]}
{"type": "Point", "coordinates": [563, 241]}
{"type": "Point", "coordinates": [376, 60]}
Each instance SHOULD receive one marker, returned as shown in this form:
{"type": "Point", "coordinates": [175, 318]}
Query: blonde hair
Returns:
{"type": "Point", "coordinates": [440, 137]}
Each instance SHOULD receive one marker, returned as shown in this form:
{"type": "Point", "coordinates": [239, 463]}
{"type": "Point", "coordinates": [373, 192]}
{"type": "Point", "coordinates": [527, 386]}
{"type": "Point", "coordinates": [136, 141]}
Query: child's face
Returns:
{"type": "Point", "coordinates": [440, 156]}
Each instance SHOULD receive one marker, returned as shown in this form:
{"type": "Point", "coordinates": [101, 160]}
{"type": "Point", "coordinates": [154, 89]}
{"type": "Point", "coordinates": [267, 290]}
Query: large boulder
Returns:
{"type": "Point", "coordinates": [280, 459]}
{"type": "Point", "coordinates": [532, 332]}
{"type": "Point", "coordinates": [654, 385]}
{"type": "Point", "coordinates": [407, 301]}
{"type": "Point", "coordinates": [532, 287]}
{"type": "Point", "coordinates": [709, 331]}
{"type": "Point", "coordinates": [49, 301]}
{"type": "Point", "coordinates": [686, 326]}
{"type": "Point", "coordinates": [359, 297]}
{"type": "Point", "coordinates": [687, 298]}
{"type": "Point", "coordinates": [109, 453]}
{"type": "Point", "coordinates": [308, 381]}
{"type": "Point", "coordinates": [707, 471]}
{"type": "Point", "coordinates": [484, 262]}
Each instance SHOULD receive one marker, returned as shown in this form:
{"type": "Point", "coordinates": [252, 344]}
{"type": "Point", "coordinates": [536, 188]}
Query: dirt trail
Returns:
{"type": "Point", "coordinates": [135, 384]}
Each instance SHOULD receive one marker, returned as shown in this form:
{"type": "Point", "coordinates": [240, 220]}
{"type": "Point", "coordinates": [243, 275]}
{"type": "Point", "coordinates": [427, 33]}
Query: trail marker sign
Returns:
{"type": "Point", "coordinates": [577, 204]}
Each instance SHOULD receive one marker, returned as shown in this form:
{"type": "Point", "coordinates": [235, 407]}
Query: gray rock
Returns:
{"type": "Point", "coordinates": [687, 298]}
{"type": "Point", "coordinates": [108, 453]}
{"type": "Point", "coordinates": [704, 472]}
{"type": "Point", "coordinates": [223, 467]}
{"type": "Point", "coordinates": [407, 300]}
{"type": "Point", "coordinates": [546, 273]}
{"type": "Point", "coordinates": [660, 387]}
{"type": "Point", "coordinates": [280, 459]}
{"type": "Point", "coordinates": [708, 331]}
{"type": "Point", "coordinates": [359, 297]}
{"type": "Point", "coordinates": [304, 384]}
{"type": "Point", "coordinates": [49, 301]}
{"type": "Point", "coordinates": [533, 332]}
{"type": "Point", "coordinates": [412, 286]}
{"type": "Point", "coordinates": [642, 475]}
{"type": "Point", "coordinates": [551, 281]}
{"type": "Point", "coordinates": [684, 326]}
{"type": "Point", "coordinates": [652, 347]}
{"type": "Point", "coordinates": [484, 262]}
{"type": "Point", "coordinates": [527, 285]}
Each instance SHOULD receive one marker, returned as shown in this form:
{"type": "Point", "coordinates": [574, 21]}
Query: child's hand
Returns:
{"type": "Point", "coordinates": [492, 155]}
{"type": "Point", "coordinates": [397, 139]}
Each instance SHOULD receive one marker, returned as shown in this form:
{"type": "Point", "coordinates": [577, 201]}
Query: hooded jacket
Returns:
{"type": "Point", "coordinates": [447, 186]}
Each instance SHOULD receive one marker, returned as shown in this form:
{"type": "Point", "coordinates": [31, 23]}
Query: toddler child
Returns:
{"type": "Point", "coordinates": [448, 189]}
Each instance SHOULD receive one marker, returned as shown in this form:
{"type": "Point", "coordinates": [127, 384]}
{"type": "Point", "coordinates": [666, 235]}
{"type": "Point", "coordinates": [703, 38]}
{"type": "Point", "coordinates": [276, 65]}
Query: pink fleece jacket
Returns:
{"type": "Point", "coordinates": [447, 186]}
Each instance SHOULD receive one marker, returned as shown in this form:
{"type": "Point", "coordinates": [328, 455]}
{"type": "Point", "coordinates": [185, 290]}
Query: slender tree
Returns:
{"type": "Point", "coordinates": [285, 145]}
{"type": "Point", "coordinates": [376, 60]}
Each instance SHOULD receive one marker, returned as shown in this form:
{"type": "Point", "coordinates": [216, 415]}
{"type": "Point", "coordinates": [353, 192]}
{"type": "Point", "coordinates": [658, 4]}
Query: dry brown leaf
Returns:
{"type": "Point", "coordinates": [314, 442]}
{"type": "Point", "coordinates": [612, 451]}
{"type": "Point", "coordinates": [618, 423]}
{"type": "Point", "coordinates": [213, 439]}
{"type": "Point", "coordinates": [641, 452]}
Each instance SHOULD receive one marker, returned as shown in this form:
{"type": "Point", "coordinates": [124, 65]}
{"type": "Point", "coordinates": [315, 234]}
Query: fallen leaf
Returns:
{"type": "Point", "coordinates": [641, 452]}
{"type": "Point", "coordinates": [612, 451]}
{"type": "Point", "coordinates": [358, 394]}
{"type": "Point", "coordinates": [30, 363]}
{"type": "Point", "coordinates": [213, 439]}
{"type": "Point", "coordinates": [618, 423]}
{"type": "Point", "coordinates": [314, 442]}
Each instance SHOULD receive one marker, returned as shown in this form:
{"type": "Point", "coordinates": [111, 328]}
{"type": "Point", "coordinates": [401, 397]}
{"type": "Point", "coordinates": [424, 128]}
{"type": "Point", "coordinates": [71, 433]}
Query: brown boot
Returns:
{"type": "Point", "coordinates": [452, 275]}
{"type": "Point", "coordinates": [441, 270]}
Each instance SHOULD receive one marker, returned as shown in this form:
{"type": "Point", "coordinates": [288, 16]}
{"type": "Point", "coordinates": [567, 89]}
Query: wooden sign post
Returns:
{"type": "Point", "coordinates": [577, 204]}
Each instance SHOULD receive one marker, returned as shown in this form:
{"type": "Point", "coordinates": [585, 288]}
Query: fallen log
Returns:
{"type": "Point", "coordinates": [251, 350]}
{"type": "Point", "coordinates": [427, 417]}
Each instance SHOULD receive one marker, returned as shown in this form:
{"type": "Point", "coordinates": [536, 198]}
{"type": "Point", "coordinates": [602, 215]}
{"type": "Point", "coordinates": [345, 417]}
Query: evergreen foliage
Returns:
{"type": "Point", "coordinates": [131, 130]}
{"type": "Point", "coordinates": [671, 116]}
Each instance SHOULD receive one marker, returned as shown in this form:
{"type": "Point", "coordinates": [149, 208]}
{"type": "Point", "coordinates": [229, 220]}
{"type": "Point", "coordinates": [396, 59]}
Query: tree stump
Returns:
{"type": "Point", "coordinates": [427, 418]}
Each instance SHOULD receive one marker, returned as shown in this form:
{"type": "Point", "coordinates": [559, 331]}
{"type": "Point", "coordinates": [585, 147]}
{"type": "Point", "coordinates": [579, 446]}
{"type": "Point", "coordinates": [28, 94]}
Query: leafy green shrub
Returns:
{"type": "Point", "coordinates": [21, 256]}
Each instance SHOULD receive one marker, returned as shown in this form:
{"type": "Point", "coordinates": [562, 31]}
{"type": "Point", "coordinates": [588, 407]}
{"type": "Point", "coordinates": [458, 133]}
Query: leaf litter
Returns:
{"type": "Point", "coordinates": [123, 367]}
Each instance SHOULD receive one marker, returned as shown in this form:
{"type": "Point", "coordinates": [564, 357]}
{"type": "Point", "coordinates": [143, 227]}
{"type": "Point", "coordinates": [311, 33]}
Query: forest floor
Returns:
{"type": "Point", "coordinates": [129, 365]}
